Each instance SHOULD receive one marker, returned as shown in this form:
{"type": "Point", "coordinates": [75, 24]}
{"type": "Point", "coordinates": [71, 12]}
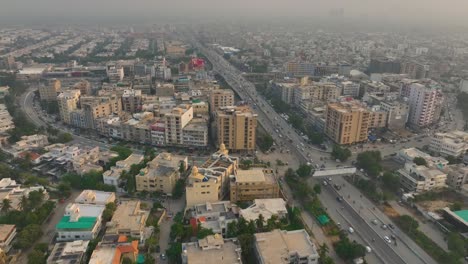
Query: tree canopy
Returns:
{"type": "Point", "coordinates": [340, 153]}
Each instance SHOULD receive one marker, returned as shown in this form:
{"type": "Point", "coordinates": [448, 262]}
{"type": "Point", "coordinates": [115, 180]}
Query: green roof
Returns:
{"type": "Point", "coordinates": [140, 259]}
{"type": "Point", "coordinates": [462, 214]}
{"type": "Point", "coordinates": [82, 223]}
{"type": "Point", "coordinates": [323, 219]}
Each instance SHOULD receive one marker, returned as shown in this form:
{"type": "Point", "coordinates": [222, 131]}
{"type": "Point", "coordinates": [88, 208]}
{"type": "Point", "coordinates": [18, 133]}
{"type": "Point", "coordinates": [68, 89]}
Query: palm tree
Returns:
{"type": "Point", "coordinates": [23, 204]}
{"type": "Point", "coordinates": [260, 222]}
{"type": "Point", "coordinates": [6, 205]}
{"type": "Point", "coordinates": [323, 250]}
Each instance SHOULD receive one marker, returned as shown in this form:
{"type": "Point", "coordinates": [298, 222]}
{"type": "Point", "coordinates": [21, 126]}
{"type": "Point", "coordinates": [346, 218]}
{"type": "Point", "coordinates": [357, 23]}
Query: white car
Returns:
{"type": "Point", "coordinates": [350, 230]}
{"type": "Point", "coordinates": [387, 239]}
{"type": "Point", "coordinates": [368, 249]}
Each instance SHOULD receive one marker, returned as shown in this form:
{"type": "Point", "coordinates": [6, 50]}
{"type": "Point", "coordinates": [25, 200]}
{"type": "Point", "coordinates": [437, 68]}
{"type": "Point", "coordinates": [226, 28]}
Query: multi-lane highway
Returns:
{"type": "Point", "coordinates": [356, 212]}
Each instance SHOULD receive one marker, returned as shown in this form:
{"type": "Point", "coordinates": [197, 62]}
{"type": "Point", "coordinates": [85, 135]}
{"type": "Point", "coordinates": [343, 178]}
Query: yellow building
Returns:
{"type": "Point", "coordinates": [175, 121]}
{"type": "Point", "coordinates": [221, 98]}
{"type": "Point", "coordinates": [210, 182]}
{"type": "Point", "coordinates": [347, 122]}
{"type": "Point", "coordinates": [49, 92]}
{"type": "Point", "coordinates": [161, 174]}
{"type": "Point", "coordinates": [248, 185]}
{"type": "Point", "coordinates": [67, 102]}
{"type": "Point", "coordinates": [236, 127]}
{"type": "Point", "coordinates": [128, 219]}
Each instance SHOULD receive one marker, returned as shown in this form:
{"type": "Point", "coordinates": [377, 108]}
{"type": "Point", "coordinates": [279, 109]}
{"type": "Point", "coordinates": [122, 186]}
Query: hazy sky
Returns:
{"type": "Point", "coordinates": [420, 11]}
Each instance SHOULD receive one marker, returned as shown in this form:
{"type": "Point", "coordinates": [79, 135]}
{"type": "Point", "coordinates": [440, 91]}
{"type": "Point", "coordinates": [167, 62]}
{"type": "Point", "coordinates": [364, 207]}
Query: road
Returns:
{"type": "Point", "coordinates": [172, 206]}
{"type": "Point", "coordinates": [27, 104]}
{"type": "Point", "coordinates": [405, 252]}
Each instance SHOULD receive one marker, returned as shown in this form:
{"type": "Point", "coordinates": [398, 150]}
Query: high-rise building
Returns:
{"type": "Point", "coordinates": [97, 107]}
{"type": "Point", "coordinates": [221, 98]}
{"type": "Point", "coordinates": [425, 105]}
{"type": "Point", "coordinates": [300, 68]}
{"type": "Point", "coordinates": [49, 92]}
{"type": "Point", "coordinates": [236, 127]}
{"type": "Point", "coordinates": [131, 101]}
{"type": "Point", "coordinates": [347, 122]}
{"type": "Point", "coordinates": [415, 70]}
{"type": "Point", "coordinates": [349, 88]}
{"type": "Point", "coordinates": [384, 65]}
{"type": "Point", "coordinates": [67, 102]}
{"type": "Point", "coordinates": [175, 121]}
{"type": "Point", "coordinates": [84, 86]}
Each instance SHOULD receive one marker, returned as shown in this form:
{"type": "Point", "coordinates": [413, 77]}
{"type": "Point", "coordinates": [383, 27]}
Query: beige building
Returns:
{"type": "Point", "coordinates": [453, 143]}
{"type": "Point", "coordinates": [84, 86]}
{"type": "Point", "coordinates": [210, 182]}
{"type": "Point", "coordinates": [248, 185]}
{"type": "Point", "coordinates": [98, 107]}
{"type": "Point", "coordinates": [49, 92]}
{"type": "Point", "coordinates": [67, 102]}
{"type": "Point", "coordinates": [285, 247]}
{"type": "Point", "coordinates": [112, 176]}
{"type": "Point", "coordinates": [175, 121]}
{"type": "Point", "coordinates": [212, 250]}
{"type": "Point", "coordinates": [414, 178]}
{"type": "Point", "coordinates": [129, 220]}
{"type": "Point", "coordinates": [161, 174]}
{"type": "Point", "coordinates": [457, 175]}
{"type": "Point", "coordinates": [236, 128]}
{"type": "Point", "coordinates": [7, 234]}
{"type": "Point", "coordinates": [347, 122]}
{"type": "Point", "coordinates": [265, 207]}
{"type": "Point", "coordinates": [131, 101]}
{"type": "Point", "coordinates": [221, 98]}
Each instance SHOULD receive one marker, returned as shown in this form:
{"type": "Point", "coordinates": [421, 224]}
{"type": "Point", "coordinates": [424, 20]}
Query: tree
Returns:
{"type": "Point", "coordinates": [204, 232]}
{"type": "Point", "coordinates": [340, 153]}
{"type": "Point", "coordinates": [36, 257]}
{"type": "Point", "coordinates": [391, 181]}
{"type": "Point", "coordinates": [317, 188]}
{"type": "Point", "coordinates": [182, 168]}
{"type": "Point", "coordinates": [265, 142]}
{"type": "Point", "coordinates": [6, 205]}
{"type": "Point", "coordinates": [420, 161]}
{"type": "Point", "coordinates": [289, 173]}
{"type": "Point", "coordinates": [456, 206]}
{"type": "Point", "coordinates": [178, 189]}
{"type": "Point", "coordinates": [127, 260]}
{"type": "Point", "coordinates": [452, 160]}
{"type": "Point", "coordinates": [304, 170]}
{"type": "Point", "coordinates": [348, 250]}
{"type": "Point", "coordinates": [370, 162]}
{"type": "Point", "coordinates": [232, 230]}
{"type": "Point", "coordinates": [323, 250]}
{"type": "Point", "coordinates": [35, 198]}
{"type": "Point", "coordinates": [407, 223]}
{"type": "Point", "coordinates": [109, 211]}
{"type": "Point", "coordinates": [174, 252]}
{"type": "Point", "coordinates": [456, 244]}
{"type": "Point", "coordinates": [246, 242]}
{"type": "Point", "coordinates": [28, 236]}
{"type": "Point", "coordinates": [260, 221]}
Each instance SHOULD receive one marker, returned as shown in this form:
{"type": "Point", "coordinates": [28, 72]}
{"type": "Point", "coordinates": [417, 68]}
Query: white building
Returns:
{"type": "Point", "coordinates": [212, 250]}
{"type": "Point", "coordinates": [408, 155]}
{"type": "Point", "coordinates": [349, 88]}
{"type": "Point", "coordinates": [284, 247]}
{"type": "Point", "coordinates": [68, 252]}
{"type": "Point", "coordinates": [453, 143]}
{"type": "Point", "coordinates": [215, 216]}
{"type": "Point", "coordinates": [265, 207]}
{"type": "Point", "coordinates": [425, 105]}
{"type": "Point", "coordinates": [68, 102]}
{"type": "Point", "coordinates": [112, 176]}
{"type": "Point", "coordinates": [80, 222]}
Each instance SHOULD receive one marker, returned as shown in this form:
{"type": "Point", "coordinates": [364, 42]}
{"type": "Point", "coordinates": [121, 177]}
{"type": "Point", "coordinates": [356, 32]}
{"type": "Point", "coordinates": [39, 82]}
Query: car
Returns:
{"type": "Point", "coordinates": [375, 222]}
{"type": "Point", "coordinates": [163, 256]}
{"type": "Point", "coordinates": [339, 199]}
{"type": "Point", "coordinates": [393, 237]}
{"type": "Point", "coordinates": [350, 230]}
{"type": "Point", "coordinates": [391, 226]}
{"type": "Point", "coordinates": [329, 179]}
{"type": "Point", "coordinates": [387, 239]}
{"type": "Point", "coordinates": [325, 183]}
{"type": "Point", "coordinates": [384, 226]}
{"type": "Point", "coordinates": [368, 249]}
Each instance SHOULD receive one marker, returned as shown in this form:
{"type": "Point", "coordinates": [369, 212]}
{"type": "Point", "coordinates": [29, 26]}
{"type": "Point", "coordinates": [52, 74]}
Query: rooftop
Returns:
{"type": "Point", "coordinates": [95, 197]}
{"type": "Point", "coordinates": [211, 250]}
{"type": "Point", "coordinates": [81, 223]}
{"type": "Point", "coordinates": [128, 216]}
{"type": "Point", "coordinates": [276, 246]}
{"type": "Point", "coordinates": [5, 231]}
{"type": "Point", "coordinates": [255, 175]}
{"type": "Point", "coordinates": [68, 252]}
{"type": "Point", "coordinates": [463, 214]}
{"type": "Point", "coordinates": [266, 207]}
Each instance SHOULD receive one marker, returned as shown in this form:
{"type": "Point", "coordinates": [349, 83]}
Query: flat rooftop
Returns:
{"type": "Point", "coordinates": [5, 231]}
{"type": "Point", "coordinates": [128, 216]}
{"type": "Point", "coordinates": [228, 253]}
{"type": "Point", "coordinates": [463, 214]}
{"type": "Point", "coordinates": [276, 246]}
{"type": "Point", "coordinates": [255, 175]}
{"type": "Point", "coordinates": [84, 222]}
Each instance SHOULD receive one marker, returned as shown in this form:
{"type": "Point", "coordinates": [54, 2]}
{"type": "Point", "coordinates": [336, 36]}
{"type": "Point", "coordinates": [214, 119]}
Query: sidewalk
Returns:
{"type": "Point", "coordinates": [427, 228]}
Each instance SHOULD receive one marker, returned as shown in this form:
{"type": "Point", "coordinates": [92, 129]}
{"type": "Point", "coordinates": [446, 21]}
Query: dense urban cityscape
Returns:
{"type": "Point", "coordinates": [233, 142]}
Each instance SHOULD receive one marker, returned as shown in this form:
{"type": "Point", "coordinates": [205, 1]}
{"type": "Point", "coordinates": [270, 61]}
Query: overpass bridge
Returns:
{"type": "Point", "coordinates": [328, 172]}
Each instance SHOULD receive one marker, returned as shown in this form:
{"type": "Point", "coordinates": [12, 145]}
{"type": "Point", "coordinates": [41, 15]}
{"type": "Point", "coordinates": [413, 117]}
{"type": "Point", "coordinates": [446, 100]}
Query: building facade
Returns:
{"type": "Point", "coordinates": [236, 128]}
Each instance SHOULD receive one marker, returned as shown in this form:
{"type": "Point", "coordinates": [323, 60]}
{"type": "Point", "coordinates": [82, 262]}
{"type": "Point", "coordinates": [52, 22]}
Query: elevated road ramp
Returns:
{"type": "Point", "coordinates": [329, 172]}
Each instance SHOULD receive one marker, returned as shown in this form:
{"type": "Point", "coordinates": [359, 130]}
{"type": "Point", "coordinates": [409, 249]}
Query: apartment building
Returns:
{"type": "Point", "coordinates": [349, 88]}
{"type": "Point", "coordinates": [236, 127]}
{"type": "Point", "coordinates": [248, 185]}
{"type": "Point", "coordinates": [114, 249]}
{"type": "Point", "coordinates": [457, 175]}
{"type": "Point", "coordinates": [129, 220]}
{"type": "Point", "coordinates": [50, 91]}
{"type": "Point", "coordinates": [115, 74]}
{"type": "Point", "coordinates": [195, 134]}
{"type": "Point", "coordinates": [67, 102]}
{"type": "Point", "coordinates": [300, 68]}
{"type": "Point", "coordinates": [397, 114]}
{"type": "Point", "coordinates": [84, 86]}
{"type": "Point", "coordinates": [453, 143]}
{"type": "Point", "coordinates": [310, 95]}
{"type": "Point", "coordinates": [210, 181]}
{"type": "Point", "coordinates": [68, 252]}
{"type": "Point", "coordinates": [409, 154]}
{"type": "Point", "coordinates": [414, 178]}
{"type": "Point", "coordinates": [425, 105]}
{"type": "Point", "coordinates": [175, 121]}
{"type": "Point", "coordinates": [7, 234]}
{"type": "Point", "coordinates": [285, 247]}
{"type": "Point", "coordinates": [112, 176]}
{"type": "Point", "coordinates": [414, 69]}
{"type": "Point", "coordinates": [30, 142]}
{"type": "Point", "coordinates": [212, 249]}
{"type": "Point", "coordinates": [131, 101]}
{"type": "Point", "coordinates": [221, 98]}
{"type": "Point", "coordinates": [377, 117]}
{"type": "Point", "coordinates": [80, 222]}
{"type": "Point", "coordinates": [161, 174]}
{"type": "Point", "coordinates": [287, 91]}
{"type": "Point", "coordinates": [347, 122]}
{"type": "Point", "coordinates": [215, 216]}
{"type": "Point", "coordinates": [98, 107]}
{"type": "Point", "coordinates": [6, 121]}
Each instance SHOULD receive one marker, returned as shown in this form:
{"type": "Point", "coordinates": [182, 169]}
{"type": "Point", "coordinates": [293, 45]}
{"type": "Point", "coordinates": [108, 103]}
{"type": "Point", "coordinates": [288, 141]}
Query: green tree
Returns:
{"type": "Point", "coordinates": [109, 211]}
{"type": "Point", "coordinates": [304, 170]}
{"type": "Point", "coordinates": [265, 142]}
{"type": "Point", "coordinates": [456, 206]}
{"type": "Point", "coordinates": [204, 232]}
{"type": "Point", "coordinates": [391, 181]}
{"type": "Point", "coordinates": [370, 162]}
{"type": "Point", "coordinates": [182, 167]}
{"type": "Point", "coordinates": [127, 260]}
{"type": "Point", "coordinates": [28, 236]}
{"type": "Point", "coordinates": [35, 199]}
{"type": "Point", "coordinates": [174, 252]}
{"type": "Point", "coordinates": [340, 153]}
{"type": "Point", "coordinates": [348, 250]}
{"type": "Point", "coordinates": [232, 230]}
{"type": "Point", "coordinates": [36, 257]}
{"type": "Point", "coordinates": [260, 222]}
{"type": "Point", "coordinates": [453, 160]}
{"type": "Point", "coordinates": [420, 161]}
{"type": "Point", "coordinates": [456, 244]}
{"type": "Point", "coordinates": [246, 242]}
{"type": "Point", "coordinates": [179, 189]}
{"type": "Point", "coordinates": [408, 223]}
{"type": "Point", "coordinates": [317, 188]}
{"type": "Point", "coordinates": [6, 206]}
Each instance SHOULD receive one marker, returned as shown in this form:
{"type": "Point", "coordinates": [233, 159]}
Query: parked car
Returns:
{"type": "Point", "coordinates": [387, 239]}
{"type": "Point", "coordinates": [350, 230]}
